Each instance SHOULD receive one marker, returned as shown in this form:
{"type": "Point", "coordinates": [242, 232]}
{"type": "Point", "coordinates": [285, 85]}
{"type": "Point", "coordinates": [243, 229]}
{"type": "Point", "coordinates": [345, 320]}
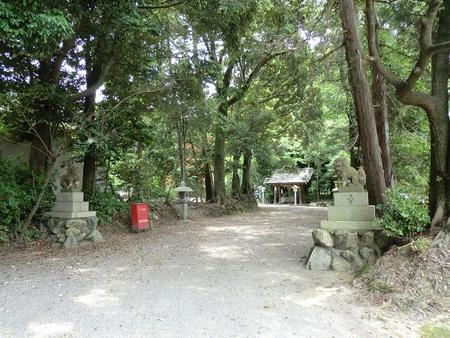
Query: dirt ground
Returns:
{"type": "Point", "coordinates": [233, 276]}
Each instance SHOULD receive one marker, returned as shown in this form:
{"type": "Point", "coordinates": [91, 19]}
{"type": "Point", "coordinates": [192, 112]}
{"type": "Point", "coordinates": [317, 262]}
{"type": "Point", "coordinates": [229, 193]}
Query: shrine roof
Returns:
{"type": "Point", "coordinates": [300, 177]}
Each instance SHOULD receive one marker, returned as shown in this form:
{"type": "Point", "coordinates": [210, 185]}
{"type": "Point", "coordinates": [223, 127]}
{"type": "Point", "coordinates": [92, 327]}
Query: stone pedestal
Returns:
{"type": "Point", "coordinates": [71, 221]}
{"type": "Point", "coordinates": [348, 239]}
{"type": "Point", "coordinates": [351, 211]}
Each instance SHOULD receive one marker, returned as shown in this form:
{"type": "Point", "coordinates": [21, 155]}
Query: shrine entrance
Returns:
{"type": "Point", "coordinates": [290, 188]}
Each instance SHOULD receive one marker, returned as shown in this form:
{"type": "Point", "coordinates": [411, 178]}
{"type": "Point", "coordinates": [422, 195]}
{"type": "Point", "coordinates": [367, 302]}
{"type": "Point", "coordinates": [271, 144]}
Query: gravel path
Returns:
{"type": "Point", "coordinates": [235, 276]}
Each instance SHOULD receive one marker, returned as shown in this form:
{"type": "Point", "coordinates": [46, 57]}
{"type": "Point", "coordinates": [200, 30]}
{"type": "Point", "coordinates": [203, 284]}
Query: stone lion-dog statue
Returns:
{"type": "Point", "coordinates": [349, 179]}
{"type": "Point", "coordinates": [70, 181]}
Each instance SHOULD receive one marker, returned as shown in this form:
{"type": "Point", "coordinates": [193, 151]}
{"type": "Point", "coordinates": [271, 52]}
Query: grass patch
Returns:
{"type": "Point", "coordinates": [420, 245]}
{"type": "Point", "coordinates": [377, 285]}
{"type": "Point", "coordinates": [430, 330]}
{"type": "Point", "coordinates": [365, 269]}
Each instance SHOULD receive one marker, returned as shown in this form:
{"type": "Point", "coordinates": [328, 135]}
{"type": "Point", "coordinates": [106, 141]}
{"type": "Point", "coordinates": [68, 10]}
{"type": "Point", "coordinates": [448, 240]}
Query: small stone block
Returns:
{"type": "Point", "coordinates": [349, 225]}
{"type": "Point", "coordinates": [340, 264]}
{"type": "Point", "coordinates": [320, 259]}
{"type": "Point", "coordinates": [71, 206]}
{"type": "Point", "coordinates": [95, 236]}
{"type": "Point", "coordinates": [351, 199]}
{"type": "Point", "coordinates": [70, 197]}
{"type": "Point", "coordinates": [346, 240]}
{"type": "Point", "coordinates": [368, 238]}
{"type": "Point", "coordinates": [351, 213]}
{"type": "Point", "coordinates": [322, 238]}
{"type": "Point", "coordinates": [69, 215]}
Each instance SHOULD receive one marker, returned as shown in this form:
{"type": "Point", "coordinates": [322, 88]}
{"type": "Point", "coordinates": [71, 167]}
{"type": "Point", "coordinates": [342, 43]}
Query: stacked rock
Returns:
{"type": "Point", "coordinates": [71, 221]}
{"type": "Point", "coordinates": [341, 250]}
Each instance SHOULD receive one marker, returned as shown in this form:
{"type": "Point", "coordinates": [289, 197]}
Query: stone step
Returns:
{"type": "Point", "coordinates": [68, 214]}
{"type": "Point", "coordinates": [349, 225]}
{"type": "Point", "coordinates": [351, 198]}
{"type": "Point", "coordinates": [71, 206]}
{"type": "Point", "coordinates": [351, 213]}
{"type": "Point", "coordinates": [77, 196]}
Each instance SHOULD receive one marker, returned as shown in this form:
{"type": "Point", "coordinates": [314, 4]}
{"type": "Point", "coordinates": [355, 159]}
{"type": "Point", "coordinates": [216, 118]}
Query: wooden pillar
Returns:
{"type": "Point", "coordinates": [274, 194]}
{"type": "Point", "coordinates": [302, 197]}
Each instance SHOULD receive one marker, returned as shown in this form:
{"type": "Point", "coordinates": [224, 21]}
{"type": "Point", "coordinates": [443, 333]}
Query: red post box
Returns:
{"type": "Point", "coordinates": [139, 216]}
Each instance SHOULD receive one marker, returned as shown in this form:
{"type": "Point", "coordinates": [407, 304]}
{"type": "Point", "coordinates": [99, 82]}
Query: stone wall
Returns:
{"type": "Point", "coordinates": [72, 232]}
{"type": "Point", "coordinates": [343, 250]}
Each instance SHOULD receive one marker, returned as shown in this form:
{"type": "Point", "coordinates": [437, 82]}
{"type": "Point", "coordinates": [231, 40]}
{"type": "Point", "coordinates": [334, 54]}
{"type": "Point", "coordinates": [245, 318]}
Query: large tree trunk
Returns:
{"type": "Point", "coordinates": [381, 118]}
{"type": "Point", "coordinates": [41, 134]}
{"type": "Point", "coordinates": [362, 97]}
{"type": "Point", "coordinates": [41, 148]}
{"type": "Point", "coordinates": [219, 157]}
{"type": "Point", "coordinates": [93, 72]}
{"type": "Point", "coordinates": [236, 181]}
{"type": "Point", "coordinates": [439, 174]}
{"type": "Point", "coordinates": [246, 165]}
{"type": "Point", "coordinates": [353, 133]}
{"type": "Point", "coordinates": [90, 157]}
{"type": "Point", "coordinates": [181, 151]}
{"type": "Point", "coordinates": [209, 184]}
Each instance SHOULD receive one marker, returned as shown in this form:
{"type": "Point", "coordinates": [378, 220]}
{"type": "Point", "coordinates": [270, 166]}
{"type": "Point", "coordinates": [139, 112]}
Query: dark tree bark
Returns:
{"type": "Point", "coordinates": [353, 132]}
{"type": "Point", "coordinates": [440, 75]}
{"type": "Point", "coordinates": [236, 181]}
{"type": "Point", "coordinates": [381, 118]}
{"type": "Point", "coordinates": [42, 135]}
{"type": "Point", "coordinates": [219, 157]}
{"type": "Point", "coordinates": [246, 188]}
{"type": "Point", "coordinates": [93, 72]}
{"type": "Point", "coordinates": [181, 151]}
{"type": "Point", "coordinates": [362, 97]}
{"type": "Point", "coordinates": [209, 186]}
{"type": "Point", "coordinates": [435, 105]}
{"type": "Point", "coordinates": [41, 132]}
{"type": "Point", "coordinates": [41, 147]}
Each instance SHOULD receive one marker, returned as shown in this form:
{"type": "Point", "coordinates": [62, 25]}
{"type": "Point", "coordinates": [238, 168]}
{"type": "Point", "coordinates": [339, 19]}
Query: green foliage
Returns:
{"type": "Point", "coordinates": [33, 27]}
{"type": "Point", "coordinates": [18, 191]}
{"type": "Point", "coordinates": [420, 245]}
{"type": "Point", "coordinates": [431, 330]}
{"type": "Point", "coordinates": [107, 205]}
{"type": "Point", "coordinates": [404, 214]}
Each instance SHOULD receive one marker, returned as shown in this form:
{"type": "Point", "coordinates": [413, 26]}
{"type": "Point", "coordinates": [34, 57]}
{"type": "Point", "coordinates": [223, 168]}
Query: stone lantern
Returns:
{"type": "Point", "coordinates": [183, 200]}
{"type": "Point", "coordinates": [295, 188]}
{"type": "Point", "coordinates": [263, 190]}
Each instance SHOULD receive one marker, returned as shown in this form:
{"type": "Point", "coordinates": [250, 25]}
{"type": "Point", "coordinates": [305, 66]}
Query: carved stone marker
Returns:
{"type": "Point", "coordinates": [351, 211]}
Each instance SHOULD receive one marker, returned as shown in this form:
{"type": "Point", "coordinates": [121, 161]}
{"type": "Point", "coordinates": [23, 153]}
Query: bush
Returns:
{"type": "Point", "coordinates": [18, 191]}
{"type": "Point", "coordinates": [106, 204]}
{"type": "Point", "coordinates": [403, 214]}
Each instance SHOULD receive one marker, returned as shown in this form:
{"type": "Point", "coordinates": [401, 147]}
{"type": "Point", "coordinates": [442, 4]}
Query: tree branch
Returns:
{"type": "Point", "coordinates": [223, 87]}
{"type": "Point", "coordinates": [164, 5]}
{"type": "Point", "coordinates": [101, 79]}
{"type": "Point", "coordinates": [373, 48]}
{"type": "Point", "coordinates": [327, 54]}
{"type": "Point", "coordinates": [426, 30]}
{"type": "Point", "coordinates": [254, 74]}
{"type": "Point", "coordinates": [438, 47]}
